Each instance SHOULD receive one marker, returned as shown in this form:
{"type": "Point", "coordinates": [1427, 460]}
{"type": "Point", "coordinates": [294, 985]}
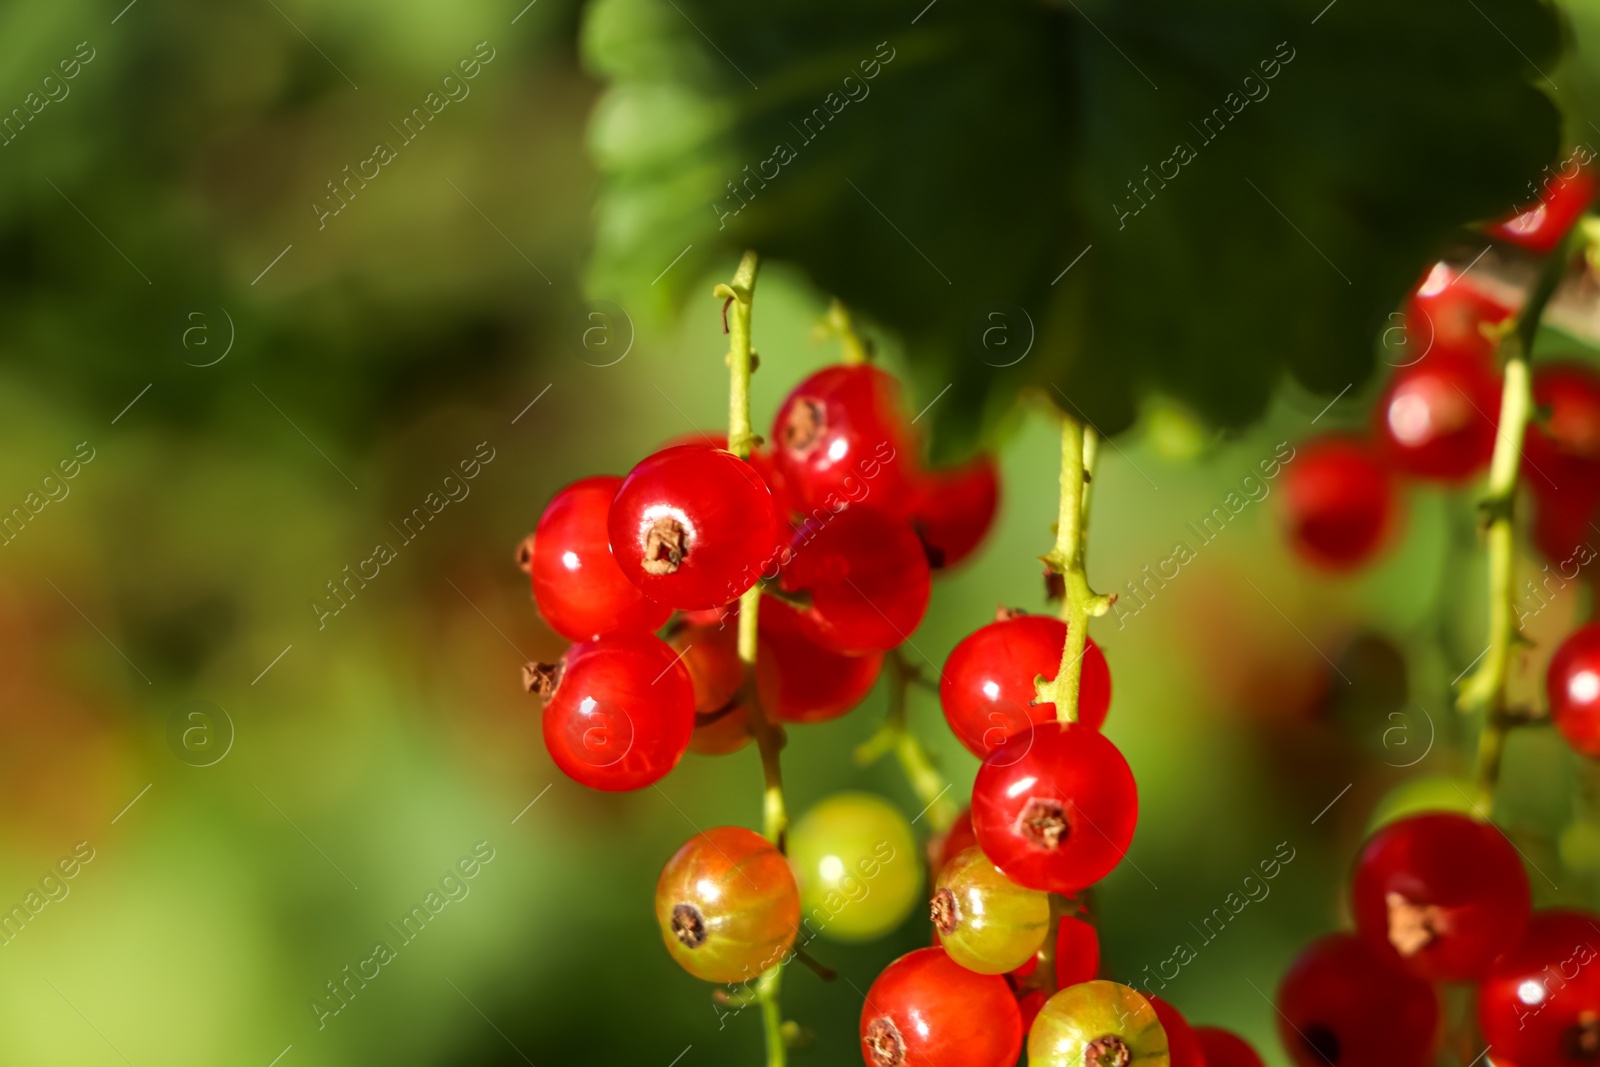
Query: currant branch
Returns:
{"type": "Point", "coordinates": [853, 348]}
{"type": "Point", "coordinates": [895, 735]}
{"type": "Point", "coordinates": [1485, 690]}
{"type": "Point", "coordinates": [1078, 451]}
{"type": "Point", "coordinates": [738, 296]}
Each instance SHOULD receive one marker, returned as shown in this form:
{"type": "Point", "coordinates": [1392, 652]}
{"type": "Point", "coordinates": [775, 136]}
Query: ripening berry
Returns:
{"type": "Point", "coordinates": [985, 921]}
{"type": "Point", "coordinates": [1540, 226]}
{"type": "Point", "coordinates": [811, 683]}
{"type": "Point", "coordinates": [1223, 1048]}
{"type": "Point", "coordinates": [1539, 1005]}
{"type": "Point", "coordinates": [925, 1010]}
{"type": "Point", "coordinates": [858, 866]}
{"type": "Point", "coordinates": [1572, 686]}
{"type": "Point", "coordinates": [841, 438]}
{"type": "Point", "coordinates": [1097, 1024]}
{"type": "Point", "coordinates": [1440, 895]}
{"type": "Point", "coordinates": [987, 686]}
{"type": "Point", "coordinates": [1438, 418]}
{"type": "Point", "coordinates": [618, 710]}
{"type": "Point", "coordinates": [952, 510]}
{"type": "Point", "coordinates": [1448, 316]}
{"type": "Point", "coordinates": [578, 587]}
{"type": "Point", "coordinates": [866, 575]}
{"type": "Point", "coordinates": [1342, 1005]}
{"type": "Point", "coordinates": [727, 906]}
{"type": "Point", "coordinates": [1340, 502]}
{"type": "Point", "coordinates": [1056, 810]}
{"type": "Point", "coordinates": [1183, 1047]}
{"type": "Point", "coordinates": [693, 526]}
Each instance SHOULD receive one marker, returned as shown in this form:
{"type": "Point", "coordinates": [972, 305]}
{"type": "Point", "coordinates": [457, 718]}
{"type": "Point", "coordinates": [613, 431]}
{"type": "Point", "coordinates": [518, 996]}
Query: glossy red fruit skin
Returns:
{"type": "Point", "coordinates": [1561, 453]}
{"type": "Point", "coordinates": [1540, 226]}
{"type": "Point", "coordinates": [810, 683]}
{"type": "Point", "coordinates": [621, 713]}
{"type": "Point", "coordinates": [761, 460]}
{"type": "Point", "coordinates": [1340, 503]}
{"type": "Point", "coordinates": [1357, 1008]}
{"type": "Point", "coordinates": [942, 1015]}
{"type": "Point", "coordinates": [1572, 686]}
{"type": "Point", "coordinates": [953, 510]}
{"type": "Point", "coordinates": [1054, 774]}
{"type": "Point", "coordinates": [866, 575]}
{"type": "Point", "coordinates": [1437, 420]}
{"type": "Point", "coordinates": [710, 653]}
{"type": "Point", "coordinates": [719, 507]}
{"type": "Point", "coordinates": [987, 683]}
{"type": "Point", "coordinates": [1224, 1048]}
{"type": "Point", "coordinates": [841, 438]}
{"type": "Point", "coordinates": [1446, 316]}
{"type": "Point", "coordinates": [1183, 1048]}
{"type": "Point", "coordinates": [1545, 993]}
{"type": "Point", "coordinates": [578, 587]}
{"type": "Point", "coordinates": [1440, 895]}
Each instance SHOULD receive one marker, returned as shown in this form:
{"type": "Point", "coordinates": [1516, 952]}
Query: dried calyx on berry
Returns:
{"type": "Point", "coordinates": [542, 678]}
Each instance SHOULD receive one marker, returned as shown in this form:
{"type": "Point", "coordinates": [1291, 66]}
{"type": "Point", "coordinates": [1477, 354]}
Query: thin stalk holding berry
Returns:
{"type": "Point", "coordinates": [895, 735]}
{"type": "Point", "coordinates": [1485, 690]}
{"type": "Point", "coordinates": [769, 739]}
{"type": "Point", "coordinates": [1078, 601]}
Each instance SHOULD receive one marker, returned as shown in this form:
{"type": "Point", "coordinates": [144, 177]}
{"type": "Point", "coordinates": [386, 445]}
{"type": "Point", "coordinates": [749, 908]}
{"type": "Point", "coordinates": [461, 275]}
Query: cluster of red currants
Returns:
{"type": "Point", "coordinates": [837, 522]}
{"type": "Point", "coordinates": [1438, 417]}
{"type": "Point", "coordinates": [1441, 897]}
{"type": "Point", "coordinates": [1053, 811]}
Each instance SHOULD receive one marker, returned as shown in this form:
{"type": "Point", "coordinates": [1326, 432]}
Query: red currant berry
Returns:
{"type": "Point", "coordinates": [1438, 418]}
{"type": "Point", "coordinates": [926, 1010]}
{"type": "Point", "coordinates": [618, 710]}
{"type": "Point", "coordinates": [1183, 1048]}
{"type": "Point", "coordinates": [727, 905]}
{"type": "Point", "coordinates": [953, 510]}
{"type": "Point", "coordinates": [1440, 894]}
{"type": "Point", "coordinates": [1097, 1024]}
{"type": "Point", "coordinates": [1539, 1005]}
{"type": "Point", "coordinates": [1446, 316]}
{"type": "Point", "coordinates": [1572, 685]}
{"type": "Point", "coordinates": [1540, 226]}
{"type": "Point", "coordinates": [1056, 809]}
{"type": "Point", "coordinates": [1223, 1048]}
{"type": "Point", "coordinates": [580, 590]}
{"type": "Point", "coordinates": [693, 526]}
{"type": "Point", "coordinates": [1561, 454]}
{"type": "Point", "coordinates": [841, 437]}
{"type": "Point", "coordinates": [811, 683]}
{"type": "Point", "coordinates": [866, 575]}
{"type": "Point", "coordinates": [944, 848]}
{"type": "Point", "coordinates": [1560, 524]}
{"type": "Point", "coordinates": [987, 686]}
{"type": "Point", "coordinates": [710, 652]}
{"type": "Point", "coordinates": [1340, 503]}
{"type": "Point", "coordinates": [1077, 952]}
{"type": "Point", "coordinates": [1342, 1005]}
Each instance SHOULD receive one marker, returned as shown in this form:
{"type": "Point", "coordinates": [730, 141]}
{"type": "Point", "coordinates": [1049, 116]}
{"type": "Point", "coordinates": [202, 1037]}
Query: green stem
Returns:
{"type": "Point", "coordinates": [1078, 449]}
{"type": "Point", "coordinates": [769, 737]}
{"type": "Point", "coordinates": [1485, 690]}
{"type": "Point", "coordinates": [895, 735]}
{"type": "Point", "coordinates": [852, 348]}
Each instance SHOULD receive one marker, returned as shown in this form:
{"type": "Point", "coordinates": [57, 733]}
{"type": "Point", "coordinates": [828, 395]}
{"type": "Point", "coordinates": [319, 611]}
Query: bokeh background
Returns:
{"type": "Point", "coordinates": [264, 393]}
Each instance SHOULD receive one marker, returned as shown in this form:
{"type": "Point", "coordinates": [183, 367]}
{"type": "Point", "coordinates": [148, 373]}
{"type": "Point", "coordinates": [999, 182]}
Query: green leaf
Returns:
{"type": "Point", "coordinates": [1304, 165]}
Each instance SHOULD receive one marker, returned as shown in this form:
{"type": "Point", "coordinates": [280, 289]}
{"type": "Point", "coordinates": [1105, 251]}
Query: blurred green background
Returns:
{"type": "Point", "coordinates": [264, 395]}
